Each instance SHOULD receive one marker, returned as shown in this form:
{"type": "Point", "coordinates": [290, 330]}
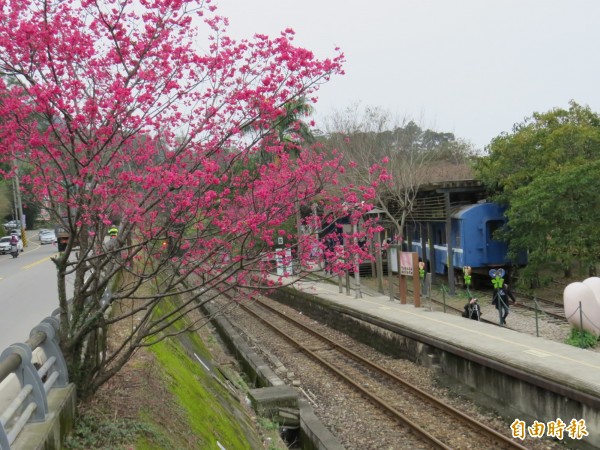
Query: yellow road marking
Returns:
{"type": "Point", "coordinates": [47, 258]}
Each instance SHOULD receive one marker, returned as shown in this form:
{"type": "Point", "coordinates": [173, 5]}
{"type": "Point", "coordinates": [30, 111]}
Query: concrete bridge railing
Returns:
{"type": "Point", "coordinates": [37, 402]}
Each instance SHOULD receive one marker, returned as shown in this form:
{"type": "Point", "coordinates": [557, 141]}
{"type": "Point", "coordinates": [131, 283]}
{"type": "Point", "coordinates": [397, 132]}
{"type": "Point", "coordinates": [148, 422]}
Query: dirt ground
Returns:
{"type": "Point", "coordinates": [134, 389]}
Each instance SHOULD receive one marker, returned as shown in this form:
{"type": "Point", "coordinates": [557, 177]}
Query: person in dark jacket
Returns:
{"type": "Point", "coordinates": [472, 310]}
{"type": "Point", "coordinates": [502, 298]}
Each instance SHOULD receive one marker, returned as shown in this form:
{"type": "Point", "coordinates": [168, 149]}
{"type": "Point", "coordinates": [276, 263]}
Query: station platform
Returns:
{"type": "Point", "coordinates": [571, 375]}
{"type": "Point", "coordinates": [563, 363]}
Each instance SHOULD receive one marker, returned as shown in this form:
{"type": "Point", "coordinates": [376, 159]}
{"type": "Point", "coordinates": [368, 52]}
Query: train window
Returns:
{"type": "Point", "coordinates": [440, 237]}
{"type": "Point", "coordinates": [492, 226]}
{"type": "Point", "coordinates": [456, 229]}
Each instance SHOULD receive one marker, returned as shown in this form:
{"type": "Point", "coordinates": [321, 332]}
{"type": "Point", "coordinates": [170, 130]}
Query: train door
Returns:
{"type": "Point", "coordinates": [496, 249]}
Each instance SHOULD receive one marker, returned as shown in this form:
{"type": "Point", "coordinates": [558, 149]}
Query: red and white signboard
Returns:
{"type": "Point", "coordinates": [406, 263]}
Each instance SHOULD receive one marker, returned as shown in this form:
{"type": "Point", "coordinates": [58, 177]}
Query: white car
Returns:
{"type": "Point", "coordinates": [12, 224]}
{"type": "Point", "coordinates": [5, 245]}
{"type": "Point", "coordinates": [47, 237]}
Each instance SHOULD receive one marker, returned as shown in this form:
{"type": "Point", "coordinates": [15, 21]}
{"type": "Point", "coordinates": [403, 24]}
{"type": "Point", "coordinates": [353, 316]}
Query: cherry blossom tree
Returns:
{"type": "Point", "coordinates": [146, 115]}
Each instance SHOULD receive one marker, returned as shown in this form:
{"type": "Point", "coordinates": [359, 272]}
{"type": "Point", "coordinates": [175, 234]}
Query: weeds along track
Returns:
{"type": "Point", "coordinates": [433, 423]}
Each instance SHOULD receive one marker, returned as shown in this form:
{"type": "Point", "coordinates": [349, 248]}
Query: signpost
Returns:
{"type": "Point", "coordinates": [409, 263]}
{"type": "Point", "coordinates": [283, 259]}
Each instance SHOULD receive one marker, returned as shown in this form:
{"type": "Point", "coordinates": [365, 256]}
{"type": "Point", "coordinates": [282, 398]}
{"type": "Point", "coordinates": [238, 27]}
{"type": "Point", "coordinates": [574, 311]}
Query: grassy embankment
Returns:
{"type": "Point", "coordinates": [164, 398]}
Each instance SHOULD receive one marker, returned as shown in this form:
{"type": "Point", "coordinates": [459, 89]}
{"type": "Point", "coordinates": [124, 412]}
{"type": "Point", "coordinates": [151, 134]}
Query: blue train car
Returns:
{"type": "Point", "coordinates": [472, 239]}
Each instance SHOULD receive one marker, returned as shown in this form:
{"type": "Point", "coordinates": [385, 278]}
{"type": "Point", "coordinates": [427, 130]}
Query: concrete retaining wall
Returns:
{"type": "Point", "coordinates": [314, 436]}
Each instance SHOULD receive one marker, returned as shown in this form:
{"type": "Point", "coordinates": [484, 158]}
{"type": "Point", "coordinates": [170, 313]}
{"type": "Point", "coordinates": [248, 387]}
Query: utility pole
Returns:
{"type": "Point", "coordinates": [15, 210]}
{"type": "Point", "coordinates": [19, 205]}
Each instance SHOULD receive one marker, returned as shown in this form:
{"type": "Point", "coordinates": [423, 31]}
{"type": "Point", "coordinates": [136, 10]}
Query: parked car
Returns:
{"type": "Point", "coordinates": [12, 224]}
{"type": "Point", "coordinates": [5, 245]}
{"type": "Point", "coordinates": [47, 237]}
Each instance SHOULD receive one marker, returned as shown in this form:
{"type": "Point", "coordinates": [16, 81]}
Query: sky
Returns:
{"type": "Point", "coordinates": [470, 67]}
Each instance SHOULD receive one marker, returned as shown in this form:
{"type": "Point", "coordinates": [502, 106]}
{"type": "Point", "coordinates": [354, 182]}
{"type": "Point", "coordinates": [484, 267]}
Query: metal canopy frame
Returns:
{"type": "Point", "coordinates": [436, 202]}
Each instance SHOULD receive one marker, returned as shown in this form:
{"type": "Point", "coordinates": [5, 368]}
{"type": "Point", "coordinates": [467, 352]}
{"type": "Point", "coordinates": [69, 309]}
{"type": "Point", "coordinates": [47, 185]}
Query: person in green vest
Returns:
{"type": "Point", "coordinates": [503, 296]}
{"type": "Point", "coordinates": [113, 231]}
{"type": "Point", "coordinates": [467, 276]}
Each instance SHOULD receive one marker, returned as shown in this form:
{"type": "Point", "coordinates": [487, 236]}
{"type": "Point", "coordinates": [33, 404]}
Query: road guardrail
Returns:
{"type": "Point", "coordinates": [30, 373]}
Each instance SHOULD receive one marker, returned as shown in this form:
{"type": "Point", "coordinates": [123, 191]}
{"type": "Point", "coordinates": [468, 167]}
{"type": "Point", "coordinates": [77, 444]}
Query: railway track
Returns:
{"type": "Point", "coordinates": [547, 309]}
{"type": "Point", "coordinates": [547, 304]}
{"type": "Point", "coordinates": [453, 304]}
{"type": "Point", "coordinates": [542, 306]}
{"type": "Point", "coordinates": [405, 403]}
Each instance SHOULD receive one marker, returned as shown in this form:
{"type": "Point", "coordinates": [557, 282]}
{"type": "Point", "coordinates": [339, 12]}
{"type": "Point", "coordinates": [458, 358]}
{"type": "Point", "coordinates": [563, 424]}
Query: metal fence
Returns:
{"type": "Point", "coordinates": [28, 372]}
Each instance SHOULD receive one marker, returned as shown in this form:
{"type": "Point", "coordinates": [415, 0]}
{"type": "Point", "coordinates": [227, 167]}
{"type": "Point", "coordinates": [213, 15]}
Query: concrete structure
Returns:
{"type": "Point", "coordinates": [518, 375]}
{"type": "Point", "coordinates": [37, 401]}
{"type": "Point", "coordinates": [50, 434]}
{"type": "Point", "coordinates": [273, 399]}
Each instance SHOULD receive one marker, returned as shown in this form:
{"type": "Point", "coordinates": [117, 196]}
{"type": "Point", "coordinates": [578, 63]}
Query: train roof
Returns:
{"type": "Point", "coordinates": [460, 211]}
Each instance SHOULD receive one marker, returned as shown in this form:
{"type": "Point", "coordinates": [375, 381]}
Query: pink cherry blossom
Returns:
{"type": "Point", "coordinates": [147, 115]}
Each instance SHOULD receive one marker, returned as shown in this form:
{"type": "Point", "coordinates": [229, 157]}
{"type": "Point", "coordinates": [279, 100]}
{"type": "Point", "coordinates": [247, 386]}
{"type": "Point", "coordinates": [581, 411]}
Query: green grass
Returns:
{"type": "Point", "coordinates": [208, 408]}
{"type": "Point", "coordinates": [210, 415]}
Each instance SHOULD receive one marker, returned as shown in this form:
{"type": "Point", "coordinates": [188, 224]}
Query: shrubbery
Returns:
{"type": "Point", "coordinates": [582, 338]}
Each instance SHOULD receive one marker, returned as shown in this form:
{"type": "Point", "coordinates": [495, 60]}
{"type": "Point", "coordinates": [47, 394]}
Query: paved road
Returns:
{"type": "Point", "coordinates": [28, 290]}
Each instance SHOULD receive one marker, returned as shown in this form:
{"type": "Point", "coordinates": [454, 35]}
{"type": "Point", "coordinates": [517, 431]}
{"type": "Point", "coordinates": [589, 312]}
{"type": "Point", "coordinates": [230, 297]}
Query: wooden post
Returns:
{"type": "Point", "coordinates": [356, 262]}
{"type": "Point", "coordinates": [390, 274]}
{"type": "Point", "coordinates": [403, 289]}
{"type": "Point", "coordinates": [401, 278]}
{"type": "Point", "coordinates": [416, 281]}
{"type": "Point", "coordinates": [379, 264]}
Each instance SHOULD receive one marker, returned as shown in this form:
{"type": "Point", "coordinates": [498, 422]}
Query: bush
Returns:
{"type": "Point", "coordinates": [582, 338]}
{"type": "Point", "coordinates": [95, 432]}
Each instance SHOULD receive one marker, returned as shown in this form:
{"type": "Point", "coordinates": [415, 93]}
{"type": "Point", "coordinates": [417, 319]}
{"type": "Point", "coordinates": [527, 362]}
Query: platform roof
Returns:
{"type": "Point", "coordinates": [431, 204]}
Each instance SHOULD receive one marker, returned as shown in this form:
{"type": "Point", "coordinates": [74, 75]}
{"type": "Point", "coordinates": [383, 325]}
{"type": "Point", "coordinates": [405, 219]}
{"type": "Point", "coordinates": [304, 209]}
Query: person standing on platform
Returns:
{"type": "Point", "coordinates": [502, 297]}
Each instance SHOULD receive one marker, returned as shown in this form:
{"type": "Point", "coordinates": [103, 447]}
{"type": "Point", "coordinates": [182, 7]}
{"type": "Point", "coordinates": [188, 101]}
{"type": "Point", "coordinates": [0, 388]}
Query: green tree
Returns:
{"type": "Point", "coordinates": [545, 171]}
{"type": "Point", "coordinates": [556, 217]}
{"type": "Point", "coordinates": [289, 129]}
{"type": "Point", "coordinates": [5, 200]}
